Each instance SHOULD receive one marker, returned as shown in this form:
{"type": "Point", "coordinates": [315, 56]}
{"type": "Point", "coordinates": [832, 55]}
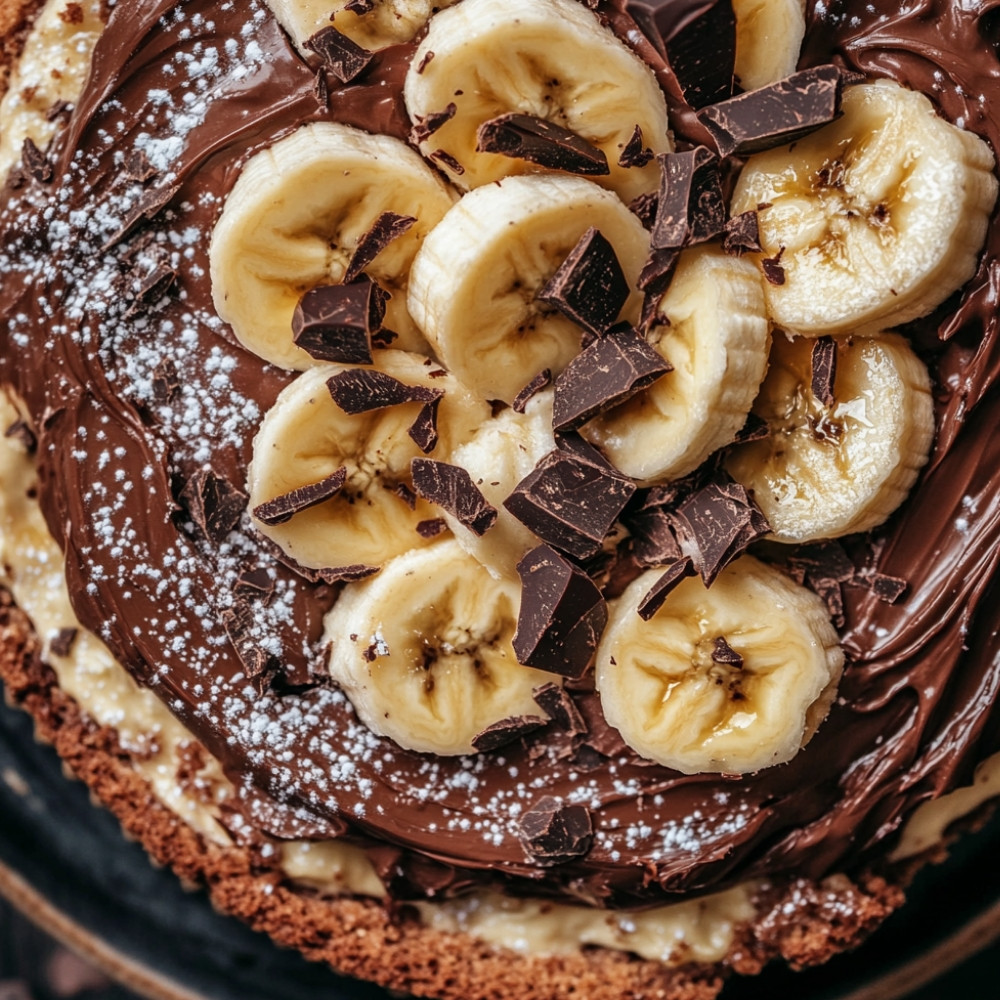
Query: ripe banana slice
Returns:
{"type": "Point", "coordinates": [502, 452]}
{"type": "Point", "coordinates": [423, 651]}
{"type": "Point", "coordinates": [673, 703]}
{"type": "Point", "coordinates": [306, 437]}
{"type": "Point", "coordinates": [293, 220]}
{"type": "Point", "coordinates": [827, 471]}
{"type": "Point", "coordinates": [474, 281]}
{"type": "Point", "coordinates": [876, 218]}
{"type": "Point", "coordinates": [769, 37]}
{"type": "Point", "coordinates": [388, 22]}
{"type": "Point", "coordinates": [716, 336]}
{"type": "Point", "coordinates": [548, 58]}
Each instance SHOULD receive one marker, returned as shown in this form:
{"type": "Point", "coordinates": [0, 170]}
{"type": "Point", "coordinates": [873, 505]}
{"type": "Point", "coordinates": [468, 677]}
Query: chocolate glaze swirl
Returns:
{"type": "Point", "coordinates": [198, 87]}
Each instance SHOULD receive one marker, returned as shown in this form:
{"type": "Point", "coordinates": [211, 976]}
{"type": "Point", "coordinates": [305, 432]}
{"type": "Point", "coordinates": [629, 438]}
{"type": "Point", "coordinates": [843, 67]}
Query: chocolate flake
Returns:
{"type": "Point", "coordinates": [612, 370]}
{"type": "Point", "coordinates": [527, 137]}
{"type": "Point", "coordinates": [451, 488]}
{"type": "Point", "coordinates": [633, 153]}
{"type": "Point", "coordinates": [556, 702]}
{"type": "Point", "coordinates": [282, 509]}
{"type": "Point", "coordinates": [701, 51]}
{"type": "Point", "coordinates": [138, 167]}
{"type": "Point", "coordinates": [824, 369]}
{"type": "Point", "coordinates": [343, 574]}
{"type": "Point", "coordinates": [61, 644]}
{"type": "Point", "coordinates": [742, 235]}
{"type": "Point", "coordinates": [336, 322]}
{"type": "Point", "coordinates": [406, 495]}
{"type": "Point", "coordinates": [665, 586]}
{"type": "Point", "coordinates": [255, 584]}
{"type": "Point", "coordinates": [36, 162]}
{"type": "Point", "coordinates": [691, 206]}
{"type": "Point", "coordinates": [152, 286]}
{"type": "Point", "coordinates": [643, 207]}
{"type": "Point", "coordinates": [360, 390]}
{"type": "Point", "coordinates": [424, 126]}
{"type": "Point", "coordinates": [562, 614]}
{"type": "Point", "coordinates": [360, 7]}
{"type": "Point", "coordinates": [590, 287]}
{"type": "Point", "coordinates": [445, 158]}
{"type": "Point", "coordinates": [59, 109]}
{"type": "Point", "coordinates": [432, 528]}
{"type": "Point", "coordinates": [755, 429]}
{"type": "Point", "coordinates": [724, 653]}
{"type": "Point", "coordinates": [554, 833]}
{"type": "Point", "coordinates": [214, 504]}
{"type": "Point", "coordinates": [424, 430]}
{"type": "Point", "coordinates": [570, 501]}
{"type": "Point", "coordinates": [535, 386]}
{"type": "Point", "coordinates": [506, 731]}
{"type": "Point", "coordinates": [387, 228]}
{"type": "Point", "coordinates": [258, 664]}
{"type": "Point", "coordinates": [772, 268]}
{"type": "Point", "coordinates": [425, 60]}
{"type": "Point", "coordinates": [776, 114]}
{"type": "Point", "coordinates": [345, 58]}
{"type": "Point", "coordinates": [887, 588]}
{"type": "Point", "coordinates": [20, 431]}
{"type": "Point", "coordinates": [654, 542]}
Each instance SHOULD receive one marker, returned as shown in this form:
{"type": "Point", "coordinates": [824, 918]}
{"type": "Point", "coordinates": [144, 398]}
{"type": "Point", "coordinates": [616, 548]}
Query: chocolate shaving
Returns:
{"type": "Point", "coordinates": [345, 58]}
{"type": "Point", "coordinates": [664, 587]}
{"type": "Point", "coordinates": [776, 114]}
{"type": "Point", "coordinates": [772, 268]}
{"type": "Point", "coordinates": [213, 503]}
{"type": "Point", "coordinates": [506, 731]}
{"type": "Point", "coordinates": [255, 585]}
{"type": "Point", "coordinates": [282, 509]}
{"type": "Point", "coordinates": [654, 280]}
{"type": "Point", "coordinates": [432, 528]}
{"type": "Point", "coordinates": [824, 369]}
{"type": "Point", "coordinates": [360, 7]}
{"type": "Point", "coordinates": [342, 574]}
{"type": "Point", "coordinates": [724, 653]}
{"type": "Point", "coordinates": [138, 168]}
{"type": "Point", "coordinates": [570, 501]}
{"type": "Point", "coordinates": [59, 109]}
{"type": "Point", "coordinates": [691, 206]}
{"type": "Point", "coordinates": [36, 162]}
{"type": "Point", "coordinates": [887, 588]}
{"type": "Point", "coordinates": [633, 153]}
{"type": "Point", "coordinates": [527, 137]}
{"type": "Point", "coordinates": [554, 833]}
{"type": "Point", "coordinates": [612, 370]}
{"type": "Point", "coordinates": [258, 664]}
{"type": "Point", "coordinates": [424, 430]}
{"type": "Point", "coordinates": [20, 431]}
{"type": "Point", "coordinates": [562, 614]}
{"type": "Point", "coordinates": [445, 158]}
{"type": "Point", "coordinates": [152, 286]}
{"type": "Point", "coordinates": [61, 644]}
{"type": "Point", "coordinates": [451, 488]}
{"type": "Point", "coordinates": [361, 390]}
{"type": "Point", "coordinates": [556, 702]}
{"type": "Point", "coordinates": [336, 322]}
{"type": "Point", "coordinates": [702, 53]}
{"type": "Point", "coordinates": [654, 542]}
{"type": "Point", "coordinates": [755, 429]}
{"type": "Point", "coordinates": [425, 61]}
{"type": "Point", "coordinates": [149, 204]}
{"type": "Point", "coordinates": [424, 126]}
{"type": "Point", "coordinates": [387, 228]}
{"type": "Point", "coordinates": [590, 287]}
{"type": "Point", "coordinates": [406, 495]}
{"type": "Point", "coordinates": [742, 235]}
{"type": "Point", "coordinates": [535, 386]}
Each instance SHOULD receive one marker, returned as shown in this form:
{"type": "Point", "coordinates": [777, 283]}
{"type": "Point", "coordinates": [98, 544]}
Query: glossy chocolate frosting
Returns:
{"type": "Point", "coordinates": [130, 397]}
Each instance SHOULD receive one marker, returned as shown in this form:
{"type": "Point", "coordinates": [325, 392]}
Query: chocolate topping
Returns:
{"type": "Point", "coordinates": [361, 390]}
{"type": "Point", "coordinates": [424, 126]}
{"type": "Point", "coordinates": [665, 586]}
{"type": "Point", "coordinates": [724, 653]}
{"type": "Point", "coordinates": [215, 505]}
{"type": "Point", "coordinates": [702, 53]}
{"type": "Point", "coordinates": [452, 488]}
{"type": "Point", "coordinates": [424, 430]}
{"type": "Point", "coordinates": [527, 137]}
{"type": "Point", "coordinates": [61, 644]}
{"type": "Point", "coordinates": [385, 229]}
{"type": "Point", "coordinates": [36, 162]}
{"type": "Point", "coordinates": [634, 153]}
{"type": "Point", "coordinates": [556, 702]}
{"type": "Point", "coordinates": [432, 528]}
{"type": "Point", "coordinates": [691, 207]}
{"type": "Point", "coordinates": [506, 731]}
{"type": "Point", "coordinates": [535, 386]}
{"type": "Point", "coordinates": [336, 322]}
{"type": "Point", "coordinates": [824, 369]}
{"type": "Point", "coordinates": [282, 509]}
{"type": "Point", "coordinates": [742, 235]}
{"type": "Point", "coordinates": [344, 58]}
{"type": "Point", "coordinates": [22, 432]}
{"type": "Point", "coordinates": [554, 833]}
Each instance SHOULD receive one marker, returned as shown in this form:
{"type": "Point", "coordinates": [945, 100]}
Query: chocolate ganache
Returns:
{"type": "Point", "coordinates": [134, 391]}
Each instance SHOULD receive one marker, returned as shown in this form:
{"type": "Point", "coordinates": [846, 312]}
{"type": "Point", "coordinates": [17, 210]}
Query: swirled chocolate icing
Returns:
{"type": "Point", "coordinates": [132, 391]}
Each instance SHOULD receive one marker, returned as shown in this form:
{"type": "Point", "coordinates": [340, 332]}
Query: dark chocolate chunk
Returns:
{"type": "Point", "coordinates": [742, 235]}
{"type": "Point", "coordinates": [166, 381]}
{"type": "Point", "coordinates": [654, 542]}
{"type": "Point", "coordinates": [824, 369]}
{"type": "Point", "coordinates": [336, 322]}
{"type": "Point", "coordinates": [654, 280]}
{"type": "Point", "coordinates": [425, 61]}
{"type": "Point", "coordinates": [345, 574]}
{"type": "Point", "coordinates": [553, 833]}
{"type": "Point", "coordinates": [527, 137]}
{"type": "Point", "coordinates": [570, 502]}
{"type": "Point", "coordinates": [59, 109]}
{"type": "Point", "coordinates": [701, 50]}
{"type": "Point", "coordinates": [258, 664]}
{"type": "Point", "coordinates": [137, 166]}
{"type": "Point", "coordinates": [36, 162]}
{"type": "Point", "coordinates": [149, 204]}
{"type": "Point", "coordinates": [590, 286]}
{"type": "Point", "coordinates": [447, 160]}
{"type": "Point", "coordinates": [150, 287]}
{"type": "Point", "coordinates": [424, 126]}
{"type": "Point", "coordinates": [255, 585]}
{"type": "Point", "coordinates": [664, 587]}
{"type": "Point", "coordinates": [776, 114]}
{"type": "Point", "coordinates": [609, 372]}
{"type": "Point", "coordinates": [21, 432]}
{"type": "Point", "coordinates": [724, 653]}
{"type": "Point", "coordinates": [282, 509]}
{"type": "Point", "coordinates": [772, 268]}
{"type": "Point", "coordinates": [345, 59]}
{"type": "Point", "coordinates": [535, 386]}
{"type": "Point", "coordinates": [562, 614]}
{"type": "Point", "coordinates": [424, 430]}
{"type": "Point", "coordinates": [215, 505]}
{"type": "Point", "coordinates": [887, 588]}
{"type": "Point", "coordinates": [432, 528]}
{"type": "Point", "coordinates": [406, 495]}
{"type": "Point", "coordinates": [644, 206]}
{"type": "Point", "coordinates": [556, 702]}
{"type": "Point", "coordinates": [385, 229]}
{"type": "Point", "coordinates": [755, 429]}
{"type": "Point", "coordinates": [61, 644]}
{"type": "Point", "coordinates": [506, 731]}
{"type": "Point", "coordinates": [360, 7]}
{"type": "Point", "coordinates": [360, 390]}
{"type": "Point", "coordinates": [691, 206]}
{"type": "Point", "coordinates": [634, 154]}
{"type": "Point", "coordinates": [451, 488]}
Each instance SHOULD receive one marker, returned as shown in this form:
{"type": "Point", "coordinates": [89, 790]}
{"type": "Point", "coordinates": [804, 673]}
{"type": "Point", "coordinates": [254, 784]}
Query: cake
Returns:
{"type": "Point", "coordinates": [337, 518]}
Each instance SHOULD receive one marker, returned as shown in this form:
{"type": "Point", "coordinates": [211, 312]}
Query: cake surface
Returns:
{"type": "Point", "coordinates": [139, 409]}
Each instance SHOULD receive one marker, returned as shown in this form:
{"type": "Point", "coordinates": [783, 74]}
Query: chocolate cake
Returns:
{"type": "Point", "coordinates": [338, 584]}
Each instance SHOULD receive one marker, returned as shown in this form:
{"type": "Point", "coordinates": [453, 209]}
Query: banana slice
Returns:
{"type": "Point", "coordinates": [423, 651]}
{"type": "Point", "coordinates": [876, 218]}
{"type": "Point", "coordinates": [474, 281]}
{"type": "Point", "coordinates": [306, 437]}
{"type": "Point", "coordinates": [769, 37]}
{"type": "Point", "coordinates": [675, 704]}
{"type": "Point", "coordinates": [502, 452]}
{"type": "Point", "coordinates": [827, 471]}
{"type": "Point", "coordinates": [548, 58]}
{"type": "Point", "coordinates": [716, 336]}
{"type": "Point", "coordinates": [388, 22]}
{"type": "Point", "coordinates": [293, 220]}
